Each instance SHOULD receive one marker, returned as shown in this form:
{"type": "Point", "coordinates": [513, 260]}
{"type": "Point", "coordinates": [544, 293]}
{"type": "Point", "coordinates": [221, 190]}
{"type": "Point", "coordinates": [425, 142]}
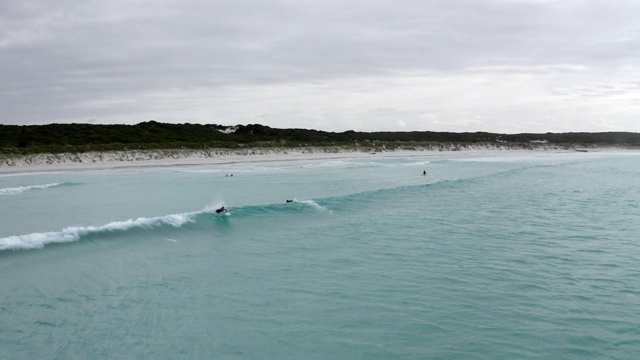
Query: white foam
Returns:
{"type": "Point", "coordinates": [229, 170]}
{"type": "Point", "coordinates": [331, 163]}
{"type": "Point", "coordinates": [75, 233]}
{"type": "Point", "coordinates": [313, 204]}
{"type": "Point", "coordinates": [413, 163]}
{"type": "Point", "coordinates": [21, 189]}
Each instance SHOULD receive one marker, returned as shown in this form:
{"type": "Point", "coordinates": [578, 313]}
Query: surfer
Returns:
{"type": "Point", "coordinates": [289, 200]}
{"type": "Point", "coordinates": [424, 173]}
{"type": "Point", "coordinates": [221, 210]}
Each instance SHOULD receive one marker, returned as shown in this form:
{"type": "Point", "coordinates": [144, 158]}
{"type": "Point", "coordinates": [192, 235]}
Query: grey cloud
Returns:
{"type": "Point", "coordinates": [58, 58]}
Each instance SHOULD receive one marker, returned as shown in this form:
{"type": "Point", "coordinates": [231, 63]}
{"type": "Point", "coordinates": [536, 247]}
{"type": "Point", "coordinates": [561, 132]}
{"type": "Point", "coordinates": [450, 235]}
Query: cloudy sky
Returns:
{"type": "Point", "coordinates": [505, 66]}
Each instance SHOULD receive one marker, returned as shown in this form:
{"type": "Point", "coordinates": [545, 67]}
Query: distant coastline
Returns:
{"type": "Point", "coordinates": [54, 147]}
{"type": "Point", "coordinates": [177, 157]}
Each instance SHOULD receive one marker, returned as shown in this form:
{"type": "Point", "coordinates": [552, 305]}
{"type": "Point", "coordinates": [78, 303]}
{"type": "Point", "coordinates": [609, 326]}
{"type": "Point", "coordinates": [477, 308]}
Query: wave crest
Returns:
{"type": "Point", "coordinates": [75, 233]}
{"type": "Point", "coordinates": [20, 189]}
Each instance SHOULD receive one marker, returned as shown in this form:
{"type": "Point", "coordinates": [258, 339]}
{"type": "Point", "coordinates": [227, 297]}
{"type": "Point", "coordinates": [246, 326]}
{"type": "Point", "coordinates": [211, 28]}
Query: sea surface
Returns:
{"type": "Point", "coordinates": [495, 256]}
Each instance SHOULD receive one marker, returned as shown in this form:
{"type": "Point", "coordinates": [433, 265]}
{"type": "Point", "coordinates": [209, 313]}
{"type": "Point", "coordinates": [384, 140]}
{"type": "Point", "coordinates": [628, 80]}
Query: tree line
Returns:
{"type": "Point", "coordinates": [57, 138]}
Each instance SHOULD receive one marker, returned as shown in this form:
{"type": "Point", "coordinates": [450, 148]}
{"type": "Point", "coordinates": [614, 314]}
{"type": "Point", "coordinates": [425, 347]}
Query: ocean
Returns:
{"type": "Point", "coordinates": [489, 256]}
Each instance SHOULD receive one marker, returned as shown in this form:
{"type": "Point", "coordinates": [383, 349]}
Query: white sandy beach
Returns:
{"type": "Point", "coordinates": [188, 157]}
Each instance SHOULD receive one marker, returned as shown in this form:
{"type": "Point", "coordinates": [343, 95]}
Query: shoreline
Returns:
{"type": "Point", "coordinates": [109, 160]}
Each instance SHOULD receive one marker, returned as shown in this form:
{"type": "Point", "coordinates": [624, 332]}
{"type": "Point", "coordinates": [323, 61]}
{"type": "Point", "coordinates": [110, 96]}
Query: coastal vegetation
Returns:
{"type": "Point", "coordinates": [78, 138]}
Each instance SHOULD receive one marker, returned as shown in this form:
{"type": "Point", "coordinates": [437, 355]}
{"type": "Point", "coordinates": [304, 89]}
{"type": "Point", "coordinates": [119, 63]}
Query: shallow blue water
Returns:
{"type": "Point", "coordinates": [486, 257]}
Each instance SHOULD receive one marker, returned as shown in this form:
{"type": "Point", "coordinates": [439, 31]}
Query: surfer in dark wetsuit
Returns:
{"type": "Point", "coordinates": [289, 200]}
{"type": "Point", "coordinates": [424, 172]}
{"type": "Point", "coordinates": [221, 210]}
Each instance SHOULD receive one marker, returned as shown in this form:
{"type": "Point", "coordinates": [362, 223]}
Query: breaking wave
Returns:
{"type": "Point", "coordinates": [20, 189]}
{"type": "Point", "coordinates": [76, 233]}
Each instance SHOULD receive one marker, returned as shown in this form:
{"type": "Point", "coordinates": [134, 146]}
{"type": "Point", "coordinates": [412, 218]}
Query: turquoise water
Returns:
{"type": "Point", "coordinates": [487, 257]}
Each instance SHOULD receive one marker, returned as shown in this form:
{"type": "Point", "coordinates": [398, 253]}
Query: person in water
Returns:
{"type": "Point", "coordinates": [424, 172]}
{"type": "Point", "coordinates": [221, 210]}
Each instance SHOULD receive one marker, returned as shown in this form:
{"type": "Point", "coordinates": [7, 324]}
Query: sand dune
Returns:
{"type": "Point", "coordinates": [174, 157]}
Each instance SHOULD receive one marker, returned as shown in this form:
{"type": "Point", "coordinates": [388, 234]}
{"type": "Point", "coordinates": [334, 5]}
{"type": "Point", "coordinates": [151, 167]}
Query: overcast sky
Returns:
{"type": "Point", "coordinates": [505, 66]}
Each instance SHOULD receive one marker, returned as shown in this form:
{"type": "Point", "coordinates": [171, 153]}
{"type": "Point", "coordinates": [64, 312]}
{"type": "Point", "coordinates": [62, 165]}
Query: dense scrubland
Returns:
{"type": "Point", "coordinates": [79, 138]}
